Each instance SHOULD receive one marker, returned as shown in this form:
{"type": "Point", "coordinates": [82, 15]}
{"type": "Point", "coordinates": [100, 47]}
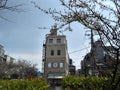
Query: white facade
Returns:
{"type": "Point", "coordinates": [9, 59]}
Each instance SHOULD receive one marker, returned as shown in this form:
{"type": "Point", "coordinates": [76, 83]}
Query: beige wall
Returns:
{"type": "Point", "coordinates": [63, 39]}
{"type": "Point", "coordinates": [63, 58]}
{"type": "Point", "coordinates": [55, 48]}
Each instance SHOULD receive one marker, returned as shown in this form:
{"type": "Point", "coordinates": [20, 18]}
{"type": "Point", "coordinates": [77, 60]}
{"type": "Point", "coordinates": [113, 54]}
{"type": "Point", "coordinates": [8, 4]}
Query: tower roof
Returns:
{"type": "Point", "coordinates": [53, 30]}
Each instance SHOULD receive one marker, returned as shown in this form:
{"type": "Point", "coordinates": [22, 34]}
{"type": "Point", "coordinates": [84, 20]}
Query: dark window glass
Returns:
{"type": "Point", "coordinates": [58, 52]}
{"type": "Point", "coordinates": [52, 52]}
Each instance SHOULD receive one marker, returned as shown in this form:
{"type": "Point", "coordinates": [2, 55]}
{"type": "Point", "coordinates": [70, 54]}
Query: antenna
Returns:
{"type": "Point", "coordinates": [43, 28]}
{"type": "Point", "coordinates": [55, 27]}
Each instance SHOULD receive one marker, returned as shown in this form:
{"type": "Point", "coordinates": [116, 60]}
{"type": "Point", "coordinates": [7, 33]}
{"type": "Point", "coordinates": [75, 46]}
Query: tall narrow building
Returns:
{"type": "Point", "coordinates": [55, 57]}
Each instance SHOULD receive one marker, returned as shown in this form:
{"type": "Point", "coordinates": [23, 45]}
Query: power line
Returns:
{"type": "Point", "coordinates": [78, 50]}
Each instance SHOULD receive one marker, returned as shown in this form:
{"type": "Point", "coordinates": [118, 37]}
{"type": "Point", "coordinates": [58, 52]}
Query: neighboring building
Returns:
{"type": "Point", "coordinates": [70, 62]}
{"type": "Point", "coordinates": [87, 65]}
{"type": "Point", "coordinates": [72, 68]}
{"type": "Point", "coordinates": [55, 57]}
{"type": "Point", "coordinates": [1, 53]}
{"type": "Point", "coordinates": [78, 72]}
{"type": "Point", "coordinates": [5, 58]}
{"type": "Point", "coordinates": [97, 62]}
{"type": "Point", "coordinates": [82, 67]}
{"type": "Point", "coordinates": [98, 52]}
{"type": "Point", "coordinates": [9, 59]}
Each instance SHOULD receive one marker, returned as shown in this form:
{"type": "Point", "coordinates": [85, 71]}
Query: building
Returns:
{"type": "Point", "coordinates": [97, 62]}
{"type": "Point", "coordinates": [9, 59]}
{"type": "Point", "coordinates": [98, 52]}
{"type": "Point", "coordinates": [55, 57]}
{"type": "Point", "coordinates": [5, 58]}
{"type": "Point", "coordinates": [78, 72]}
{"type": "Point", "coordinates": [87, 65]}
{"type": "Point", "coordinates": [2, 52]}
{"type": "Point", "coordinates": [72, 68]}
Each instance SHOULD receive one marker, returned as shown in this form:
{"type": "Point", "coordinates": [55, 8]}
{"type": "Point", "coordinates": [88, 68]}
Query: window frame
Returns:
{"type": "Point", "coordinates": [61, 65]}
{"type": "Point", "coordinates": [52, 52]}
{"type": "Point", "coordinates": [50, 41]}
{"type": "Point", "coordinates": [58, 40]}
{"type": "Point", "coordinates": [58, 52]}
{"type": "Point", "coordinates": [49, 65]}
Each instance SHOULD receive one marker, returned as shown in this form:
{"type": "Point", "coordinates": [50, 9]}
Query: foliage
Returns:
{"type": "Point", "coordinates": [100, 16]}
{"type": "Point", "coordinates": [35, 84]}
{"type": "Point", "coordinates": [87, 83]}
{"type": "Point", "coordinates": [21, 68]}
{"type": "Point", "coordinates": [4, 6]}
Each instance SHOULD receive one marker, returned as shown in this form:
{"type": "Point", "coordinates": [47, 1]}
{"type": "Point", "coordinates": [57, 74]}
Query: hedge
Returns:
{"type": "Point", "coordinates": [87, 83]}
{"type": "Point", "coordinates": [34, 84]}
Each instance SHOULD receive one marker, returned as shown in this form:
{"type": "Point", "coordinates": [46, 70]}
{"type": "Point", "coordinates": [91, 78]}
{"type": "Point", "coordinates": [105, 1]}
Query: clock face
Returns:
{"type": "Point", "coordinates": [55, 65]}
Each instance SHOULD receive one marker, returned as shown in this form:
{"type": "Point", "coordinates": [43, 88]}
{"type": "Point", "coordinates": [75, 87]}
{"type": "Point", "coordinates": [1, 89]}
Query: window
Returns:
{"type": "Point", "coordinates": [58, 52]}
{"type": "Point", "coordinates": [50, 40]}
{"type": "Point", "coordinates": [58, 40]}
{"type": "Point", "coordinates": [52, 52]}
{"type": "Point", "coordinates": [49, 65]}
{"type": "Point", "coordinates": [61, 65]}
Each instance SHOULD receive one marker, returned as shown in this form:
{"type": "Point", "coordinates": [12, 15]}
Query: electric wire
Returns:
{"type": "Point", "coordinates": [78, 50]}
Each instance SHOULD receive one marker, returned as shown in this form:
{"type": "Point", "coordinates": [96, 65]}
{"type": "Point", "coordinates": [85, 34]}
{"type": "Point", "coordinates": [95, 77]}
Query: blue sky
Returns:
{"type": "Point", "coordinates": [22, 39]}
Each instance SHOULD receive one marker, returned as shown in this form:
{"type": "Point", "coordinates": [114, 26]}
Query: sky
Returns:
{"type": "Point", "coordinates": [22, 39]}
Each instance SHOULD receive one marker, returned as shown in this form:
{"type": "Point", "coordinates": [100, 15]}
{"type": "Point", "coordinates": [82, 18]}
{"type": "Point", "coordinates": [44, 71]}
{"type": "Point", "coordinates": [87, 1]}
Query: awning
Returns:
{"type": "Point", "coordinates": [56, 76]}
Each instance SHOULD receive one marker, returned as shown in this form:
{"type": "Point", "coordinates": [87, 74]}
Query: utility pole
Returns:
{"type": "Point", "coordinates": [92, 52]}
{"type": "Point", "coordinates": [92, 41]}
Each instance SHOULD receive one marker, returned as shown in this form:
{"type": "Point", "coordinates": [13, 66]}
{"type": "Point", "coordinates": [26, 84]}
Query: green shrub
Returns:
{"type": "Point", "coordinates": [35, 84]}
{"type": "Point", "coordinates": [86, 83]}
